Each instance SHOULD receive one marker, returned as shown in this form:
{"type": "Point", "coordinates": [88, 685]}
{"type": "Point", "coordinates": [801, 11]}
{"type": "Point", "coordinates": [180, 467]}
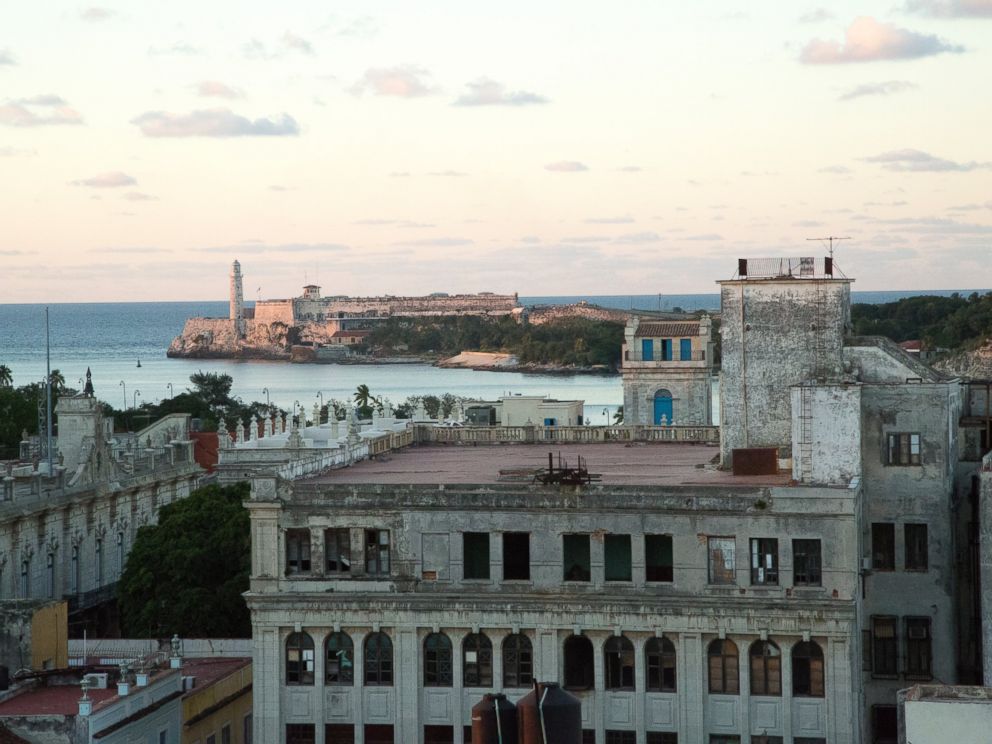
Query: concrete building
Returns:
{"type": "Point", "coordinates": [217, 709]}
{"type": "Point", "coordinates": [936, 714]}
{"type": "Point", "coordinates": [525, 410]}
{"type": "Point", "coordinates": [667, 372]}
{"type": "Point", "coordinates": [33, 635]}
{"type": "Point", "coordinates": [68, 535]}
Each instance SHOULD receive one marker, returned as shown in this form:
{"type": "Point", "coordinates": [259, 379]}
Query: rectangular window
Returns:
{"type": "Point", "coordinates": [884, 724]}
{"type": "Point", "coordinates": [435, 556]}
{"type": "Point", "coordinates": [225, 734]}
{"type": "Point", "coordinates": [339, 733]}
{"type": "Point", "coordinates": [297, 551]}
{"type": "Point", "coordinates": [576, 563]}
{"type": "Point", "coordinates": [378, 733]}
{"type": "Point", "coordinates": [725, 739]}
{"type": "Point", "coordinates": [377, 552]}
{"type": "Point", "coordinates": [666, 349]}
{"type": "Point", "coordinates": [99, 562]}
{"type": "Point", "coordinates": [764, 561]}
{"type": "Point", "coordinates": [883, 546]}
{"type": "Point", "coordinates": [212, 739]}
{"type": "Point", "coordinates": [918, 651]}
{"type": "Point", "coordinates": [621, 737]}
{"type": "Point", "coordinates": [647, 350]}
{"type": "Point", "coordinates": [50, 565]}
{"type": "Point", "coordinates": [588, 736]}
{"type": "Point", "coordinates": [296, 733]}
{"type": "Point", "coordinates": [616, 549]}
{"type": "Point", "coordinates": [658, 564]}
{"type": "Point", "coordinates": [475, 550]}
{"type": "Point", "coordinates": [163, 736]}
{"type": "Point", "coordinates": [722, 560]}
{"type": "Point", "coordinates": [516, 556]}
{"type": "Point", "coordinates": [917, 548]}
{"type": "Point", "coordinates": [439, 734]}
{"type": "Point", "coordinates": [806, 569]}
{"type": "Point", "coordinates": [246, 730]}
{"type": "Point", "coordinates": [685, 349]}
{"type": "Point", "coordinates": [337, 551]}
{"type": "Point", "coordinates": [884, 646]}
{"type": "Point", "coordinates": [765, 739]}
{"type": "Point", "coordinates": [662, 737]}
{"type": "Point", "coordinates": [903, 449]}
{"type": "Point", "coordinates": [865, 650]}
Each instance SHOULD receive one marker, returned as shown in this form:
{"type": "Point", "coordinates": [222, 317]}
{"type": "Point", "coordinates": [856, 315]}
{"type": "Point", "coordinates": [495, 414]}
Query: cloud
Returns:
{"type": "Point", "coordinates": [137, 249]}
{"type": "Point", "coordinates": [13, 152]}
{"type": "Point", "coordinates": [566, 166]}
{"type": "Point", "coordinates": [637, 238]}
{"type": "Point", "coordinates": [704, 236]}
{"type": "Point", "coordinates": [94, 14]}
{"type": "Point", "coordinates": [354, 27]}
{"type": "Point", "coordinates": [259, 247]}
{"type": "Point", "coordinates": [835, 169]}
{"type": "Point", "coordinates": [438, 242]}
{"type": "Point", "coordinates": [487, 92]}
{"type": "Point", "coordinates": [400, 174]}
{"type": "Point", "coordinates": [448, 173]}
{"type": "Point", "coordinates": [970, 207]}
{"type": "Point", "coordinates": [807, 223]}
{"type": "Point", "coordinates": [38, 111]}
{"type": "Point", "coordinates": [378, 222]}
{"type": "Point", "coordinates": [886, 204]}
{"type": "Point", "coordinates": [215, 89]}
{"type": "Point", "coordinates": [109, 180]}
{"type": "Point", "coordinates": [213, 123]}
{"type": "Point", "coordinates": [6, 58]}
{"type": "Point", "coordinates": [951, 8]}
{"type": "Point", "coordinates": [936, 226]}
{"type": "Point", "coordinates": [877, 89]}
{"type": "Point", "coordinates": [816, 16]}
{"type": "Point", "coordinates": [294, 43]}
{"type": "Point", "coordinates": [631, 169]}
{"type": "Point", "coordinates": [919, 161]}
{"type": "Point", "coordinates": [403, 81]}
{"type": "Point", "coordinates": [177, 47]}
{"type": "Point", "coordinates": [139, 196]}
{"type": "Point", "coordinates": [624, 220]}
{"type": "Point", "coordinates": [11, 252]}
{"type": "Point", "coordinates": [868, 40]}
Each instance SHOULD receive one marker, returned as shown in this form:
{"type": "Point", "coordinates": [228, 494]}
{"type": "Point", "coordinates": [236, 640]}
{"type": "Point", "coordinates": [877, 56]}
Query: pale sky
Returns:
{"type": "Point", "coordinates": [633, 147]}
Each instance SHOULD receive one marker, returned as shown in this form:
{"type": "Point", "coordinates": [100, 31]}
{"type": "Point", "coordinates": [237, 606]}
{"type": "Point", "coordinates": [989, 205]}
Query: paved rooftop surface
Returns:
{"type": "Point", "coordinates": [57, 700]}
{"type": "Point", "coordinates": [618, 464]}
{"type": "Point", "coordinates": [208, 670]}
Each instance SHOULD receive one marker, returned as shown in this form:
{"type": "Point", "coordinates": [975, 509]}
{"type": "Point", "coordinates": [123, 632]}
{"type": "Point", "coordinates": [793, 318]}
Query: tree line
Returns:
{"type": "Point", "coordinates": [954, 323]}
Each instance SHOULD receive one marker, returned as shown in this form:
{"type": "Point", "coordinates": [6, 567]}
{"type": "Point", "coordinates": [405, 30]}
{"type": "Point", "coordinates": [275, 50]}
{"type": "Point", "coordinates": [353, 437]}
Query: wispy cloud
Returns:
{"type": "Point", "coordinates": [448, 173]}
{"type": "Point", "coordinates": [216, 89]}
{"type": "Point", "coordinates": [704, 236]}
{"type": "Point", "coordinates": [38, 111]}
{"type": "Point", "coordinates": [951, 8]}
{"type": "Point", "coordinates": [95, 14]}
{"type": "Point", "coordinates": [379, 222]}
{"type": "Point", "coordinates": [133, 249]}
{"type": "Point", "coordinates": [213, 123]}
{"type": "Point", "coordinates": [13, 152]}
{"type": "Point", "coordinates": [638, 238]}
{"type": "Point", "coordinates": [620, 220]}
{"type": "Point", "coordinates": [936, 225]}
{"type": "Point", "coordinates": [295, 43]}
{"type": "Point", "coordinates": [402, 81]}
{"type": "Point", "coordinates": [630, 169]}
{"type": "Point", "coordinates": [918, 161]}
{"type": "Point", "coordinates": [437, 242]}
{"type": "Point", "coordinates": [353, 27]}
{"type": "Point", "coordinates": [109, 180]}
{"type": "Point", "coordinates": [816, 16]}
{"type": "Point", "coordinates": [259, 247]}
{"type": "Point", "coordinates": [566, 166]}
{"type": "Point", "coordinates": [14, 252]}
{"type": "Point", "coordinates": [177, 47]}
{"type": "Point", "coordinates": [488, 92]}
{"type": "Point", "coordinates": [869, 40]}
{"type": "Point", "coordinates": [6, 58]}
{"type": "Point", "coordinates": [877, 89]}
{"type": "Point", "coordinates": [139, 196]}
{"type": "Point", "coordinates": [835, 169]}
{"type": "Point", "coordinates": [970, 207]}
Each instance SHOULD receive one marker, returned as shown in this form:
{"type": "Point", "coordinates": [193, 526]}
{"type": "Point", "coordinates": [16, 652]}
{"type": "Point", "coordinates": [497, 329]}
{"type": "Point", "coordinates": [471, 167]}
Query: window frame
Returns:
{"type": "Point", "coordinates": [345, 674]}
{"type": "Point", "coordinates": [766, 658]}
{"type": "Point", "coordinates": [918, 648]}
{"type": "Point", "coordinates": [724, 659]}
{"type": "Point", "coordinates": [620, 542]}
{"type": "Point", "coordinates": [887, 648]}
{"type": "Point", "coordinates": [660, 655]}
{"type": "Point", "coordinates": [439, 661]}
{"type": "Point", "coordinates": [916, 543]}
{"type": "Point", "coordinates": [760, 549]}
{"type": "Point", "coordinates": [515, 670]}
{"type": "Point", "coordinates": [481, 674]}
{"type": "Point", "coordinates": [582, 541]}
{"type": "Point", "coordinates": [524, 539]}
{"type": "Point", "coordinates": [809, 574]}
{"type": "Point", "coordinates": [299, 551]}
{"type": "Point", "coordinates": [378, 561]}
{"type": "Point", "coordinates": [337, 542]}
{"type": "Point", "coordinates": [899, 449]}
{"type": "Point", "coordinates": [377, 660]}
{"type": "Point", "coordinates": [816, 672]}
{"type": "Point", "coordinates": [588, 673]}
{"type": "Point", "coordinates": [618, 663]}
{"type": "Point", "coordinates": [883, 544]}
{"type": "Point", "coordinates": [660, 569]}
{"type": "Point", "coordinates": [470, 575]}
{"type": "Point", "coordinates": [299, 675]}
{"type": "Point", "coordinates": [731, 573]}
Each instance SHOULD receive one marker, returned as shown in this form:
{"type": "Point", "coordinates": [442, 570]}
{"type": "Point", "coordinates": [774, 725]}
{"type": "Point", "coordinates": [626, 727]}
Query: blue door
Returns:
{"type": "Point", "coordinates": [666, 349]}
{"type": "Point", "coordinates": [685, 349]}
{"type": "Point", "coordinates": [647, 350]}
{"type": "Point", "coordinates": [550, 422]}
{"type": "Point", "coordinates": [663, 407]}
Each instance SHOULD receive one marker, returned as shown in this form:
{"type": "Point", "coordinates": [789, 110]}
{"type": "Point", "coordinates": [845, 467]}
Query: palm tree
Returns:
{"type": "Point", "coordinates": [6, 378]}
{"type": "Point", "coordinates": [56, 380]}
{"type": "Point", "coordinates": [363, 396]}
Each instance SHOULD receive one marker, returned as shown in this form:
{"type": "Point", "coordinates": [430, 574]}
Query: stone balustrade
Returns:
{"type": "Point", "coordinates": [427, 433]}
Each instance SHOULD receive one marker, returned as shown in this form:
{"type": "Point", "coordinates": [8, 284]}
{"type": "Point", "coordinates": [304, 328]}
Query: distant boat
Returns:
{"type": "Point", "coordinates": [139, 362]}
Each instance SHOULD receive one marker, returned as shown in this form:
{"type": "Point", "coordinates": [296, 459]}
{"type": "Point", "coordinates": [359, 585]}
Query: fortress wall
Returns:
{"type": "Point", "coordinates": [274, 311]}
{"type": "Point", "coordinates": [553, 313]}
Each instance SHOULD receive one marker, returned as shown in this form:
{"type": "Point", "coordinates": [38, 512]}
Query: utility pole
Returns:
{"type": "Point", "coordinates": [48, 391]}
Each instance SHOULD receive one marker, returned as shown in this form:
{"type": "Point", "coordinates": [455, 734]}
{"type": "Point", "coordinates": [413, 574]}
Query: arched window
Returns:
{"type": "Point", "coordinates": [378, 659]}
{"type": "Point", "coordinates": [807, 669]}
{"type": "Point", "coordinates": [660, 656]}
{"type": "Point", "coordinates": [618, 653]}
{"type": "Point", "coordinates": [724, 675]}
{"type": "Point", "coordinates": [437, 661]}
{"type": "Point", "coordinates": [339, 667]}
{"type": "Point", "coordinates": [477, 658]}
{"type": "Point", "coordinates": [299, 659]}
{"type": "Point", "coordinates": [578, 663]}
{"type": "Point", "coordinates": [766, 668]}
{"type": "Point", "coordinates": [518, 661]}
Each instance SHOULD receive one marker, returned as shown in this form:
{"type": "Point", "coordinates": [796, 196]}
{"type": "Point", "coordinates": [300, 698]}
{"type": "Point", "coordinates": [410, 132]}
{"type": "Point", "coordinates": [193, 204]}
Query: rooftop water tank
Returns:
{"type": "Point", "coordinates": [494, 720]}
{"type": "Point", "coordinates": [549, 715]}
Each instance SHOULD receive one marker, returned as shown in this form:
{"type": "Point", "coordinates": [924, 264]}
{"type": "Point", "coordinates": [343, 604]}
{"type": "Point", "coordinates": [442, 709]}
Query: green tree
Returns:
{"type": "Point", "coordinates": [363, 396]}
{"type": "Point", "coordinates": [6, 378]}
{"type": "Point", "coordinates": [57, 380]}
{"type": "Point", "coordinates": [186, 574]}
{"type": "Point", "coordinates": [212, 388]}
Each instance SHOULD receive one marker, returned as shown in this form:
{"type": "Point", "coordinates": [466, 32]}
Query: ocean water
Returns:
{"type": "Point", "coordinates": [110, 338]}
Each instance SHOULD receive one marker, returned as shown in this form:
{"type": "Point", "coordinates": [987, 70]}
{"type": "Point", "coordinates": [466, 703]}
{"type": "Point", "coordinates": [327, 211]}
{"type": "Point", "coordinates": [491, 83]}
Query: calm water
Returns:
{"type": "Point", "coordinates": [111, 337]}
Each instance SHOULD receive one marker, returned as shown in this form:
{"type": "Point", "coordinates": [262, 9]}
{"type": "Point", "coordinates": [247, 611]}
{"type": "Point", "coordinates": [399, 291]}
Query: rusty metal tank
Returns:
{"type": "Point", "coordinates": [494, 720]}
{"type": "Point", "coordinates": [549, 715]}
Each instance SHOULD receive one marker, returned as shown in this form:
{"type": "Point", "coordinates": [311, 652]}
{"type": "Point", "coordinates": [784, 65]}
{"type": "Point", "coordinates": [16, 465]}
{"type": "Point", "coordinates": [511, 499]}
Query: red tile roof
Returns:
{"type": "Point", "coordinates": [56, 700]}
{"type": "Point", "coordinates": [666, 330]}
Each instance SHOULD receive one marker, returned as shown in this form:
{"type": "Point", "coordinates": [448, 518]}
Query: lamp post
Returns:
{"type": "Point", "coordinates": [266, 391]}
{"type": "Point", "coordinates": [320, 394]}
{"type": "Point", "coordinates": [606, 415]}
{"type": "Point", "coordinates": [125, 394]}
{"type": "Point", "coordinates": [135, 398]}
{"type": "Point", "coordinates": [295, 404]}
{"type": "Point", "coordinates": [169, 386]}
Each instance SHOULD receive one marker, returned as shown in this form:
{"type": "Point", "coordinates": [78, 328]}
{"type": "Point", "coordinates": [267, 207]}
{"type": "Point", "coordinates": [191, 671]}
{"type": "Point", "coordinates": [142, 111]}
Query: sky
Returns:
{"type": "Point", "coordinates": [548, 148]}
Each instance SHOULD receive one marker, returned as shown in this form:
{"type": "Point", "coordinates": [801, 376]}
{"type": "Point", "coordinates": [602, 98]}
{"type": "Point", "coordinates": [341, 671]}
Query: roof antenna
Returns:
{"type": "Point", "coordinates": [830, 240]}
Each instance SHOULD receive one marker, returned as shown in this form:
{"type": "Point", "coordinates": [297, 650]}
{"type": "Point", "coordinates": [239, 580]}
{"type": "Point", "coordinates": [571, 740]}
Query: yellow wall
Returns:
{"type": "Point", "coordinates": [49, 637]}
{"type": "Point", "coordinates": [232, 714]}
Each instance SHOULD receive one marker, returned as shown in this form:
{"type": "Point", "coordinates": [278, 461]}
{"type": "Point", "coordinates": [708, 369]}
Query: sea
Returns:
{"type": "Point", "coordinates": [111, 339]}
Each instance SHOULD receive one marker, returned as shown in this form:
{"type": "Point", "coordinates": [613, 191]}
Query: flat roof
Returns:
{"type": "Point", "coordinates": [211, 669]}
{"type": "Point", "coordinates": [55, 700]}
{"type": "Point", "coordinates": [639, 464]}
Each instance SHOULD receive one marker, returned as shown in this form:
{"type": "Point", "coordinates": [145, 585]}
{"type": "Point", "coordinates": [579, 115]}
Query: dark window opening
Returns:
{"type": "Point", "coordinates": [378, 662]}
{"type": "Point", "coordinates": [576, 563]}
{"type": "Point", "coordinates": [660, 657]}
{"type": "Point", "coordinates": [578, 663]}
{"type": "Point", "coordinates": [477, 661]}
{"type": "Point", "coordinates": [299, 659]}
{"type": "Point", "coordinates": [339, 733]}
{"type": "Point", "coordinates": [724, 676]}
{"type": "Point", "coordinates": [884, 724]}
{"type": "Point", "coordinates": [617, 557]}
{"type": "Point", "coordinates": [884, 646]}
{"type": "Point", "coordinates": [766, 668]}
{"type": "Point", "coordinates": [903, 449]}
{"type": "Point", "coordinates": [764, 561]}
{"type": "Point", "coordinates": [807, 670]}
{"type": "Point", "coordinates": [518, 661]}
{"type": "Point", "coordinates": [918, 649]}
{"type": "Point", "coordinates": [438, 670]}
{"type": "Point", "coordinates": [475, 547]}
{"type": "Point", "coordinates": [439, 734]}
{"type": "Point", "coordinates": [337, 551]}
{"type": "Point", "coordinates": [618, 654]}
{"type": "Point", "coordinates": [806, 566]}
{"type": "Point", "coordinates": [662, 737]}
{"type": "Point", "coordinates": [516, 556]}
{"type": "Point", "coordinates": [339, 665]}
{"type": "Point", "coordinates": [297, 551]}
{"type": "Point", "coordinates": [658, 563]}
{"type": "Point", "coordinates": [621, 737]}
{"type": "Point", "coordinates": [378, 733]}
{"type": "Point", "coordinates": [883, 546]}
{"type": "Point", "coordinates": [377, 552]}
{"type": "Point", "coordinates": [300, 733]}
{"type": "Point", "coordinates": [917, 548]}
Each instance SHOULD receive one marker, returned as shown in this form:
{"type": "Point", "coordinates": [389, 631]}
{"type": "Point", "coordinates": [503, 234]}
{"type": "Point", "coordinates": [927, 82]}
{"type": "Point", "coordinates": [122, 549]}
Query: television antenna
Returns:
{"type": "Point", "coordinates": [830, 240]}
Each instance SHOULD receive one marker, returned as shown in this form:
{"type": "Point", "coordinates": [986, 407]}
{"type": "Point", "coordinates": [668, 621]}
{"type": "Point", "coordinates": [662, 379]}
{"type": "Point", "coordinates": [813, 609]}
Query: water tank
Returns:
{"type": "Point", "coordinates": [549, 710]}
{"type": "Point", "coordinates": [5, 680]}
{"type": "Point", "coordinates": [494, 720]}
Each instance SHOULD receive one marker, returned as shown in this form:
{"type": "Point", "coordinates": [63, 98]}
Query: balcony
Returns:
{"type": "Point", "coordinates": [696, 359]}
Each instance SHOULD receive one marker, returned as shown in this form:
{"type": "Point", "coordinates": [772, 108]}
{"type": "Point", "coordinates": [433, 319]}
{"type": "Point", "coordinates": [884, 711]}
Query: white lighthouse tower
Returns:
{"type": "Point", "coordinates": [237, 300]}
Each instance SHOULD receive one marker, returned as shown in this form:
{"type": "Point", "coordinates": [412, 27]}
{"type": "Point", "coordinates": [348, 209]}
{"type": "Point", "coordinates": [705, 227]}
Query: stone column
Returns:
{"type": "Point", "coordinates": [406, 666]}
{"type": "Point", "coordinates": [843, 723]}
{"type": "Point", "coordinates": [267, 718]}
{"type": "Point", "coordinates": [786, 649]}
{"type": "Point", "coordinates": [744, 674]}
{"type": "Point", "coordinates": [598, 696]}
{"type": "Point", "coordinates": [457, 689]}
{"type": "Point", "coordinates": [358, 691]}
{"type": "Point", "coordinates": [692, 686]}
{"type": "Point", "coordinates": [640, 682]}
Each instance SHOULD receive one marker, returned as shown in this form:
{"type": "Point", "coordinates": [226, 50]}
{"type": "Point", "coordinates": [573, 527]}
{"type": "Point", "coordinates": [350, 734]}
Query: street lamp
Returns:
{"type": "Point", "coordinates": [266, 391]}
{"type": "Point", "coordinates": [135, 398]}
{"type": "Point", "coordinates": [125, 394]}
{"type": "Point", "coordinates": [320, 394]}
{"type": "Point", "coordinates": [169, 385]}
{"type": "Point", "coordinates": [606, 415]}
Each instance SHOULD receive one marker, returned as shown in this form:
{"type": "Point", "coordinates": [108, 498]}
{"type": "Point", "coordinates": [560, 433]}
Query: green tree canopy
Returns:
{"type": "Point", "coordinates": [186, 574]}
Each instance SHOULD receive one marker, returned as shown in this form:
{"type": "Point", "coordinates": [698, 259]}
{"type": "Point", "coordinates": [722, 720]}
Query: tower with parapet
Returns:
{"type": "Point", "coordinates": [237, 300]}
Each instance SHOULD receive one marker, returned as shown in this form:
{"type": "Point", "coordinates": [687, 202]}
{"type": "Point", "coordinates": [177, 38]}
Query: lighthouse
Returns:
{"type": "Point", "coordinates": [237, 300]}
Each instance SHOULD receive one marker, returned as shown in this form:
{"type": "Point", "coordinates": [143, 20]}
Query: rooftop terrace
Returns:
{"type": "Point", "coordinates": [637, 464]}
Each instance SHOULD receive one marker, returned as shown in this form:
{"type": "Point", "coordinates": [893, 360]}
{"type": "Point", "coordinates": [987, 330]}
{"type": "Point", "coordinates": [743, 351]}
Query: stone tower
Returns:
{"type": "Point", "coordinates": [783, 322]}
{"type": "Point", "coordinates": [237, 300]}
